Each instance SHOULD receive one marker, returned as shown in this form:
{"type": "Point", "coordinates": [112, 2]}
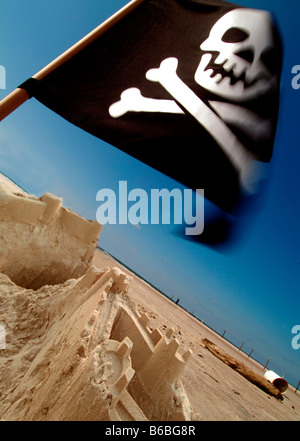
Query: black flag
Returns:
{"type": "Point", "coordinates": [189, 87]}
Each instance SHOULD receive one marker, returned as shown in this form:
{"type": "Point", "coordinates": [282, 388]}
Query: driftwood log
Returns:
{"type": "Point", "coordinates": [243, 370]}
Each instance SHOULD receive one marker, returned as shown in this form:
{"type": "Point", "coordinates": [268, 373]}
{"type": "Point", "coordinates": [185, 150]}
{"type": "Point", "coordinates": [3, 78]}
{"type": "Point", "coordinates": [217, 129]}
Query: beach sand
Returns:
{"type": "Point", "coordinates": [71, 316]}
{"type": "Point", "coordinates": [215, 390]}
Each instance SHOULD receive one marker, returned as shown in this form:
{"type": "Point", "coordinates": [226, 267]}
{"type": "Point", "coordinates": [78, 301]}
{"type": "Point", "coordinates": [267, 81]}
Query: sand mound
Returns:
{"type": "Point", "coordinates": [42, 242]}
{"type": "Point", "coordinates": [81, 351]}
{"type": "Point", "coordinates": [78, 349]}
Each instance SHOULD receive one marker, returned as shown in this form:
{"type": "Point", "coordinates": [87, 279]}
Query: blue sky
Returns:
{"type": "Point", "coordinates": [251, 289]}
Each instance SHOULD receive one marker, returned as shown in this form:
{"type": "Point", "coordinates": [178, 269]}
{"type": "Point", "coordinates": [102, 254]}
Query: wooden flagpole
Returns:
{"type": "Point", "coordinates": [16, 98]}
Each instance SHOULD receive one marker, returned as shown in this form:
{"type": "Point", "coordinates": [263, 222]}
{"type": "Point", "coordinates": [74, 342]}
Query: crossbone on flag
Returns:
{"type": "Point", "coordinates": [189, 87]}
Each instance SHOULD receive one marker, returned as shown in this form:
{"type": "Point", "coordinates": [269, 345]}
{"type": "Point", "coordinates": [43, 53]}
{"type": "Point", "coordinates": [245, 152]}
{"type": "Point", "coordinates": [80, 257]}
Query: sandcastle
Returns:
{"type": "Point", "coordinates": [76, 346]}
{"type": "Point", "coordinates": [42, 242]}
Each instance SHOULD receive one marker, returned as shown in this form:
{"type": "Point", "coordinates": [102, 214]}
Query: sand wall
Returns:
{"type": "Point", "coordinates": [42, 242]}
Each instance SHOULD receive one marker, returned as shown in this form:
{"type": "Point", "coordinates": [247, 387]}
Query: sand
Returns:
{"type": "Point", "coordinates": [216, 392]}
{"type": "Point", "coordinates": [83, 338]}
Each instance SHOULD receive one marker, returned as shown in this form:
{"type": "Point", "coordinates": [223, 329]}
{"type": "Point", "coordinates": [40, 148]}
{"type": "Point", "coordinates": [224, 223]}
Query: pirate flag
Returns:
{"type": "Point", "coordinates": [189, 87]}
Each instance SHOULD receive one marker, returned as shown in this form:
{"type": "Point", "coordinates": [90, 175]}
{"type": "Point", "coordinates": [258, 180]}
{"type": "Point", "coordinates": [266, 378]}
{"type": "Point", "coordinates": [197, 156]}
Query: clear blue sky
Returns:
{"type": "Point", "coordinates": [252, 289]}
